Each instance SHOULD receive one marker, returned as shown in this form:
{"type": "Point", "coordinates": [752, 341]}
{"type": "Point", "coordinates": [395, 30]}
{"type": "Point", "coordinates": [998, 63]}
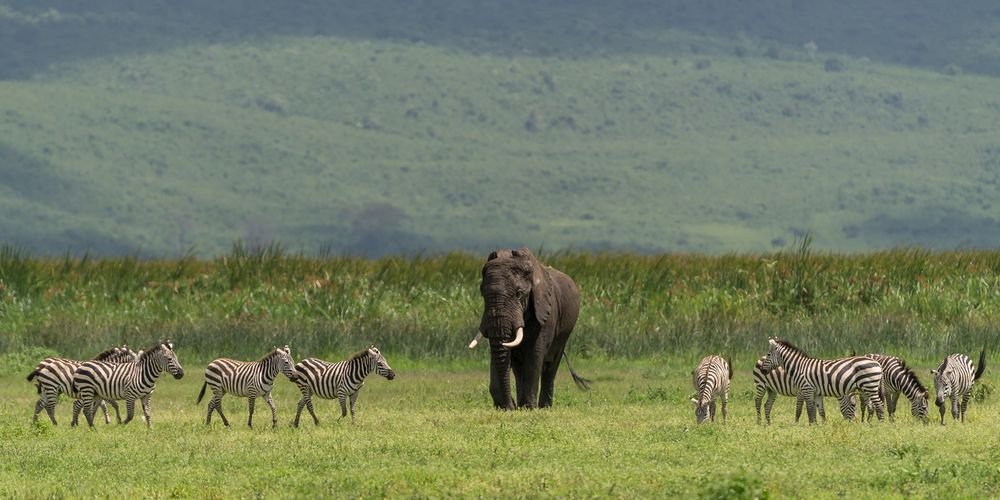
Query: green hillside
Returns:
{"type": "Point", "coordinates": [427, 126]}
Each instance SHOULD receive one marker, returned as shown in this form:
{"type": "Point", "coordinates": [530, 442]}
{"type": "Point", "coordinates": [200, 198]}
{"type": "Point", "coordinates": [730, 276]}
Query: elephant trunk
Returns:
{"type": "Point", "coordinates": [500, 377]}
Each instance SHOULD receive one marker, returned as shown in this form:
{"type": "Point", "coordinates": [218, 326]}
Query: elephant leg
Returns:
{"type": "Point", "coordinates": [549, 369]}
{"type": "Point", "coordinates": [527, 377]}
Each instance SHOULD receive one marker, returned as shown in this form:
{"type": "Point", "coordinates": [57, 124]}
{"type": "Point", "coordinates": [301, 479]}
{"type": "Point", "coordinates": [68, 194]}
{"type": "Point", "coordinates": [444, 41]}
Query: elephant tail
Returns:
{"type": "Point", "coordinates": [581, 382]}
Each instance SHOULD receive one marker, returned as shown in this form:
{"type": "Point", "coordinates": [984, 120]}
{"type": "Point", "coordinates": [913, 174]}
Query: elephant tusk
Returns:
{"type": "Point", "coordinates": [517, 339]}
{"type": "Point", "coordinates": [475, 341]}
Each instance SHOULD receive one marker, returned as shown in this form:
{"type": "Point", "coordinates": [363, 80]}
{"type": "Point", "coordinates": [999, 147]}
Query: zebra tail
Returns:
{"type": "Point", "coordinates": [982, 364]}
{"type": "Point", "coordinates": [581, 382]}
{"type": "Point", "coordinates": [730, 361]}
{"type": "Point", "coordinates": [32, 375]}
{"type": "Point", "coordinates": [202, 393]}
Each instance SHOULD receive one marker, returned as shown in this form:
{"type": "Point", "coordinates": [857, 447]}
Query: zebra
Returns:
{"type": "Point", "coordinates": [95, 380]}
{"type": "Point", "coordinates": [774, 383]}
{"type": "Point", "coordinates": [339, 380]}
{"type": "Point", "coordinates": [247, 379]}
{"type": "Point", "coordinates": [816, 378]}
{"type": "Point", "coordinates": [54, 376]}
{"type": "Point", "coordinates": [711, 379]}
{"type": "Point", "coordinates": [897, 378]}
{"type": "Point", "coordinates": [953, 379]}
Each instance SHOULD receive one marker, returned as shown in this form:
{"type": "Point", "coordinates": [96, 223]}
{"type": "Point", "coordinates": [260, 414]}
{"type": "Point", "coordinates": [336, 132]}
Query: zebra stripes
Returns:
{"type": "Point", "coordinates": [341, 380]}
{"type": "Point", "coordinates": [711, 380]}
{"type": "Point", "coordinates": [816, 378]}
{"type": "Point", "coordinates": [774, 383]}
{"type": "Point", "coordinates": [96, 380]}
{"type": "Point", "coordinates": [954, 379]}
{"type": "Point", "coordinates": [248, 379]}
{"type": "Point", "coordinates": [54, 376]}
{"type": "Point", "coordinates": [897, 378]}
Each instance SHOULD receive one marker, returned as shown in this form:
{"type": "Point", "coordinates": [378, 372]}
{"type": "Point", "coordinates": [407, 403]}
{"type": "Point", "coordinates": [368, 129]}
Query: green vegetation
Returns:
{"type": "Point", "coordinates": [431, 432]}
{"type": "Point", "coordinates": [912, 302]}
{"type": "Point", "coordinates": [399, 127]}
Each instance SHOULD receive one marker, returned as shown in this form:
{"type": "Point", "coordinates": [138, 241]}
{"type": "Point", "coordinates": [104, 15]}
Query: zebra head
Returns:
{"type": "Point", "coordinates": [918, 406]}
{"type": "Point", "coordinates": [700, 410]}
{"type": "Point", "coordinates": [166, 358]}
{"type": "Point", "coordinates": [942, 382]}
{"type": "Point", "coordinates": [774, 358]}
{"type": "Point", "coordinates": [285, 362]}
{"type": "Point", "coordinates": [381, 365]}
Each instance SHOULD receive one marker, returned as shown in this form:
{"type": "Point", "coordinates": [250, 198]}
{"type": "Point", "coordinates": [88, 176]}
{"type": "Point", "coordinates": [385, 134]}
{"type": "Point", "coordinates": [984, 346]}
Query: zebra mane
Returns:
{"type": "Point", "coordinates": [107, 353]}
{"type": "Point", "coordinates": [790, 346]}
{"type": "Point", "coordinates": [273, 353]}
{"type": "Point", "coordinates": [358, 355]}
{"type": "Point", "coordinates": [145, 353]}
{"type": "Point", "coordinates": [910, 375]}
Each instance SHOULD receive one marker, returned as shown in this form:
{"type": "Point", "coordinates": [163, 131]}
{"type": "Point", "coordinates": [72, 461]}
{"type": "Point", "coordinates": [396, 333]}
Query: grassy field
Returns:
{"type": "Point", "coordinates": [432, 432]}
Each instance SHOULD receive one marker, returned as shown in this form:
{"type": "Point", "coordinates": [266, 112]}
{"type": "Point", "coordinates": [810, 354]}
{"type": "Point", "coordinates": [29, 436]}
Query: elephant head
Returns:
{"type": "Point", "coordinates": [517, 291]}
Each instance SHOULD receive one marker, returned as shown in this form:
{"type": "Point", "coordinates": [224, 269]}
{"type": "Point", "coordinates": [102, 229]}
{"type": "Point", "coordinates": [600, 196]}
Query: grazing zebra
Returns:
{"type": "Point", "coordinates": [96, 380]}
{"type": "Point", "coordinates": [337, 380]}
{"type": "Point", "coordinates": [247, 379]}
{"type": "Point", "coordinates": [711, 379]}
{"type": "Point", "coordinates": [54, 376]}
{"type": "Point", "coordinates": [816, 378]}
{"type": "Point", "coordinates": [953, 379]}
{"type": "Point", "coordinates": [777, 382]}
{"type": "Point", "coordinates": [897, 378]}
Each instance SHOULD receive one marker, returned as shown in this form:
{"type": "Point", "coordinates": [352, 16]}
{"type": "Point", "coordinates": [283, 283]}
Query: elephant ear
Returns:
{"type": "Point", "coordinates": [543, 290]}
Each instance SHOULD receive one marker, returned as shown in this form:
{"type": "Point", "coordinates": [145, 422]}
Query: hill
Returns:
{"type": "Point", "coordinates": [429, 126]}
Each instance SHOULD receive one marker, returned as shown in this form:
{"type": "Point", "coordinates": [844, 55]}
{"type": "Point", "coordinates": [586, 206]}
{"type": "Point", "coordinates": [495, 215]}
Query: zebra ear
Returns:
{"type": "Point", "coordinates": [772, 342]}
{"type": "Point", "coordinates": [695, 401]}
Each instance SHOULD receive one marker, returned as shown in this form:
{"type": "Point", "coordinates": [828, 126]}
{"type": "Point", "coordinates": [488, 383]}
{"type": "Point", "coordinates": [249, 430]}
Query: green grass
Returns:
{"type": "Point", "coordinates": [397, 128]}
{"type": "Point", "coordinates": [917, 303]}
{"type": "Point", "coordinates": [432, 432]}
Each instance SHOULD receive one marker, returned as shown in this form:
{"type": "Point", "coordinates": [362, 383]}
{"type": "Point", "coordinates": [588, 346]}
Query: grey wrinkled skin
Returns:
{"type": "Point", "coordinates": [520, 292]}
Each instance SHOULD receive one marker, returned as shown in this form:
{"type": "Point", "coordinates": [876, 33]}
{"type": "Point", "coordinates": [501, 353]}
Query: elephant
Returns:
{"type": "Point", "coordinates": [529, 312]}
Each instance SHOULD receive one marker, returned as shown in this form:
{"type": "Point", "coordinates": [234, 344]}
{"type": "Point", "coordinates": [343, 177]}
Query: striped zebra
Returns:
{"type": "Point", "coordinates": [777, 383]}
{"type": "Point", "coordinates": [96, 380]}
{"type": "Point", "coordinates": [897, 378]}
{"type": "Point", "coordinates": [247, 379]}
{"type": "Point", "coordinates": [711, 380]}
{"type": "Point", "coordinates": [954, 379]}
{"type": "Point", "coordinates": [816, 378]}
{"type": "Point", "coordinates": [341, 380]}
{"type": "Point", "coordinates": [54, 376]}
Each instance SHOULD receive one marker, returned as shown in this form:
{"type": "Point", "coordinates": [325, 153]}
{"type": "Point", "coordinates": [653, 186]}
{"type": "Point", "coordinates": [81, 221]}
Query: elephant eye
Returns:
{"type": "Point", "coordinates": [519, 293]}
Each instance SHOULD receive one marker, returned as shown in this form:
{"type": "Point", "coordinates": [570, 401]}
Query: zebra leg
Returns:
{"type": "Point", "coordinates": [354, 399]}
{"type": "Point", "coordinates": [756, 402]}
{"type": "Point", "coordinates": [78, 406]}
{"type": "Point", "coordinates": [798, 407]}
{"type": "Point", "coordinates": [771, 395]}
{"type": "Point", "coordinates": [104, 409]}
{"type": "Point", "coordinates": [890, 404]}
{"type": "Point", "coordinates": [274, 413]}
{"type": "Point", "coordinates": [250, 418]}
{"type": "Point", "coordinates": [89, 404]}
{"type": "Point", "coordinates": [711, 411]}
{"type": "Point", "coordinates": [965, 404]}
{"type": "Point", "coordinates": [954, 407]}
{"type": "Point", "coordinates": [145, 410]}
{"type": "Point", "coordinates": [114, 404]}
{"type": "Point", "coordinates": [876, 402]}
{"type": "Point", "coordinates": [129, 409]}
{"type": "Point", "coordinates": [342, 396]}
{"type": "Point", "coordinates": [312, 411]}
{"type": "Point", "coordinates": [807, 394]}
{"type": "Point", "coordinates": [218, 409]}
{"type": "Point", "coordinates": [725, 401]}
{"type": "Point", "coordinates": [821, 408]}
